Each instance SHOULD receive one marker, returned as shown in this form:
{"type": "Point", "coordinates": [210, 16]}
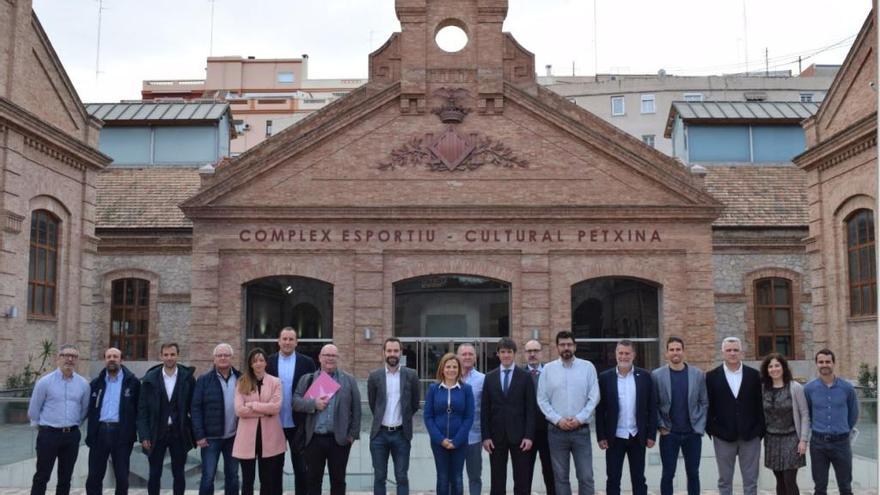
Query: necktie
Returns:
{"type": "Point", "coordinates": [506, 383]}
{"type": "Point", "coordinates": [535, 371]}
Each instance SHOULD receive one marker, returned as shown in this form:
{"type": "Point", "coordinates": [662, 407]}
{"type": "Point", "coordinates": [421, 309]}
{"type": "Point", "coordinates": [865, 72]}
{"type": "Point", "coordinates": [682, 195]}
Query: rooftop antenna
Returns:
{"type": "Point", "coordinates": [745, 37]}
{"type": "Point", "coordinates": [211, 41]}
{"type": "Point", "coordinates": [98, 45]}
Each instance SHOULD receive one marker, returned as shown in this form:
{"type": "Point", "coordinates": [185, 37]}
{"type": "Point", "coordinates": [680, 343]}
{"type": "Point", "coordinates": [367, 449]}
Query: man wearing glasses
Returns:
{"type": "Point", "coordinates": [332, 422]}
{"type": "Point", "coordinates": [58, 406]}
{"type": "Point", "coordinates": [540, 447]}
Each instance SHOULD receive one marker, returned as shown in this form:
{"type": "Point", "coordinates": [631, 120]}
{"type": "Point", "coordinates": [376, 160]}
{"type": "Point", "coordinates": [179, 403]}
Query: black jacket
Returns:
{"type": "Point", "coordinates": [304, 366]}
{"type": "Point", "coordinates": [208, 406]}
{"type": "Point", "coordinates": [507, 419]}
{"type": "Point", "coordinates": [608, 407]}
{"type": "Point", "coordinates": [128, 407]}
{"type": "Point", "coordinates": [150, 403]}
{"type": "Point", "coordinates": [735, 418]}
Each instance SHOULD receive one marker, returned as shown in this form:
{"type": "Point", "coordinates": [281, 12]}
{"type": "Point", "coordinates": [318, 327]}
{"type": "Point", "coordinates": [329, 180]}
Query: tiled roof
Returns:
{"type": "Point", "coordinates": [149, 111]}
{"type": "Point", "coordinates": [756, 196]}
{"type": "Point", "coordinates": [145, 197]}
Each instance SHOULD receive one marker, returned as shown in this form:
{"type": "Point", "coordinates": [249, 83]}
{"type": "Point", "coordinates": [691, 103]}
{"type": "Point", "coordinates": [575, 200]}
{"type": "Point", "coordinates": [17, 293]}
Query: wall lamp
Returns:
{"type": "Point", "coordinates": [12, 312]}
{"type": "Point", "coordinates": [368, 333]}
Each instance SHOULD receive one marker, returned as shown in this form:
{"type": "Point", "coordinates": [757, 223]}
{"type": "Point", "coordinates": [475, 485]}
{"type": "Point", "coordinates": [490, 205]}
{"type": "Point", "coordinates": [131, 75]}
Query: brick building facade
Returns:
{"type": "Point", "coordinates": [48, 168]}
{"type": "Point", "coordinates": [841, 167]}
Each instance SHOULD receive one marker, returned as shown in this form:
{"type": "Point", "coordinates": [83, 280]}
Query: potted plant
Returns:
{"type": "Point", "coordinates": [22, 384]}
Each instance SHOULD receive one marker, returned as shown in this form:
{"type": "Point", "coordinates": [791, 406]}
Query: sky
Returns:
{"type": "Point", "coordinates": [171, 39]}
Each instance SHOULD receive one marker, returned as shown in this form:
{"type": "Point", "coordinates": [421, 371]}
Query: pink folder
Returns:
{"type": "Point", "coordinates": [323, 386]}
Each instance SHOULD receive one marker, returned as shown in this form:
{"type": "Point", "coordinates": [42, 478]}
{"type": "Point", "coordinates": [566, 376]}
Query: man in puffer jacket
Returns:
{"type": "Point", "coordinates": [214, 421]}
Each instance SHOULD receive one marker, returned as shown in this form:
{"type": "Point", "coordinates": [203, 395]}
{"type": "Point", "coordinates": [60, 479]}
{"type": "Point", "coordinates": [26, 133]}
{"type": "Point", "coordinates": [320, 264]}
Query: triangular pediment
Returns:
{"type": "Point", "coordinates": [434, 131]}
{"type": "Point", "coordinates": [540, 151]}
{"type": "Point", "coordinates": [852, 96]}
{"type": "Point", "coordinates": [40, 84]}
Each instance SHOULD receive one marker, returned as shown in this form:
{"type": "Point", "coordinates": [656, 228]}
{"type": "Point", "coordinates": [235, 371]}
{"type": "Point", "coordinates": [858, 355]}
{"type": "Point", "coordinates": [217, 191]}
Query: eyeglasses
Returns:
{"type": "Point", "coordinates": [334, 356]}
{"type": "Point", "coordinates": [69, 356]}
{"type": "Point", "coordinates": [223, 355]}
{"type": "Point", "coordinates": [532, 351]}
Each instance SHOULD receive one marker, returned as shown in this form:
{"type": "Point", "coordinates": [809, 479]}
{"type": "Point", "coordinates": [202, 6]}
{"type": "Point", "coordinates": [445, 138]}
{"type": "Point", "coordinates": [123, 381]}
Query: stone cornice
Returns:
{"type": "Point", "coordinates": [696, 213]}
{"type": "Point", "coordinates": [649, 163]}
{"type": "Point", "coordinates": [50, 140]}
{"type": "Point", "coordinates": [855, 139]}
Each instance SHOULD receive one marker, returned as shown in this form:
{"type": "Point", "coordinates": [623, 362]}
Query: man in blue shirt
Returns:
{"type": "Point", "coordinates": [112, 422]}
{"type": "Point", "coordinates": [58, 406]}
{"type": "Point", "coordinates": [467, 355]}
{"type": "Point", "coordinates": [834, 410]}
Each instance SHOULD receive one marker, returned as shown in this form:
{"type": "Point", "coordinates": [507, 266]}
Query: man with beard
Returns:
{"type": "Point", "coordinates": [164, 421]}
{"type": "Point", "coordinates": [112, 422]}
{"type": "Point", "coordinates": [681, 407]}
{"type": "Point", "coordinates": [834, 411]}
{"type": "Point", "coordinates": [568, 393]}
{"type": "Point", "coordinates": [393, 395]}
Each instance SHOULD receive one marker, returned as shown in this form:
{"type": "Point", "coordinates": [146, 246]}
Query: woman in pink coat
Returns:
{"type": "Point", "coordinates": [259, 436]}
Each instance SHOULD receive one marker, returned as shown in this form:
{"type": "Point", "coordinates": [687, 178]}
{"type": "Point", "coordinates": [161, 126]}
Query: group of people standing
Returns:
{"type": "Point", "coordinates": [283, 400]}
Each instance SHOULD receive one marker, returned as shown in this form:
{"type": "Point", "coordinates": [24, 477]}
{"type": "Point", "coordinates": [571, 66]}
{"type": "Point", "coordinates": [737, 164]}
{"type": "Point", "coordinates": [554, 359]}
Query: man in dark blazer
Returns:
{"type": "Point", "coordinates": [736, 418]}
{"type": "Point", "coordinates": [112, 417]}
{"type": "Point", "coordinates": [626, 419]}
{"type": "Point", "coordinates": [540, 446]}
{"type": "Point", "coordinates": [508, 421]}
{"type": "Point", "coordinates": [393, 395]}
{"type": "Point", "coordinates": [289, 366]}
{"type": "Point", "coordinates": [164, 421]}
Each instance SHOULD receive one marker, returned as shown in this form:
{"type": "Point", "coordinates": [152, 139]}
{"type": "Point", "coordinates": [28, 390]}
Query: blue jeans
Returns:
{"type": "Point", "coordinates": [383, 444]}
{"type": "Point", "coordinates": [474, 459]}
{"type": "Point", "coordinates": [210, 458]}
{"type": "Point", "coordinates": [571, 444]}
{"type": "Point", "coordinates": [826, 452]}
{"type": "Point", "coordinates": [449, 464]}
{"type": "Point", "coordinates": [691, 446]}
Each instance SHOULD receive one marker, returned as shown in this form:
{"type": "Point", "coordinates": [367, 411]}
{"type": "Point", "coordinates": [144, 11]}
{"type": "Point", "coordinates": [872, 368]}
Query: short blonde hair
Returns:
{"type": "Point", "coordinates": [446, 358]}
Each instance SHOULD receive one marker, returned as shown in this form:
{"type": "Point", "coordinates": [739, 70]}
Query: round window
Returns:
{"type": "Point", "coordinates": [451, 38]}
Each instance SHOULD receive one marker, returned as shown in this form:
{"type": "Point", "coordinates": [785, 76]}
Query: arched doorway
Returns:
{"type": "Point", "coordinates": [433, 314]}
{"type": "Point", "coordinates": [607, 309]}
{"type": "Point", "coordinates": [272, 303]}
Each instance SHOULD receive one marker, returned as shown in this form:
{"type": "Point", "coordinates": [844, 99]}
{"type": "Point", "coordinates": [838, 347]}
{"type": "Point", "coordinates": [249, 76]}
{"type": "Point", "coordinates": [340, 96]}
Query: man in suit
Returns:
{"type": "Point", "coordinates": [682, 405]}
{"type": "Point", "coordinates": [332, 423]}
{"type": "Point", "coordinates": [164, 421]}
{"type": "Point", "coordinates": [508, 419]}
{"type": "Point", "coordinates": [626, 419]}
{"type": "Point", "coordinates": [289, 366]}
{"type": "Point", "coordinates": [540, 446]}
{"type": "Point", "coordinates": [112, 418]}
{"type": "Point", "coordinates": [736, 418]}
{"type": "Point", "coordinates": [393, 394]}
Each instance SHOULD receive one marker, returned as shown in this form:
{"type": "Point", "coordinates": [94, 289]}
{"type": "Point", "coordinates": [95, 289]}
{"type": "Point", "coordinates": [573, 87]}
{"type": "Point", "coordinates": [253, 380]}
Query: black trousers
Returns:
{"type": "Point", "coordinates": [271, 474]}
{"type": "Point", "coordinates": [321, 450]}
{"type": "Point", "coordinates": [54, 443]}
{"type": "Point", "coordinates": [634, 450]}
{"type": "Point", "coordinates": [300, 483]}
{"type": "Point", "coordinates": [107, 447]}
{"type": "Point", "coordinates": [169, 440]}
{"type": "Point", "coordinates": [542, 448]}
{"type": "Point", "coordinates": [522, 481]}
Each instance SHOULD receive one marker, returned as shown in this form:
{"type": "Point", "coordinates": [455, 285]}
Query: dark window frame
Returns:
{"type": "Point", "coordinates": [43, 255]}
{"type": "Point", "coordinates": [772, 331]}
{"type": "Point", "coordinates": [136, 312]}
{"type": "Point", "coordinates": [861, 257]}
